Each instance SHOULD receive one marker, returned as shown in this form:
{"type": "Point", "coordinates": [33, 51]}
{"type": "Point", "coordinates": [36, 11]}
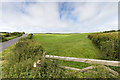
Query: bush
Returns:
{"type": "Point", "coordinates": [3, 38]}
{"type": "Point", "coordinates": [23, 50]}
{"type": "Point", "coordinates": [110, 31]}
{"type": "Point", "coordinates": [29, 36]}
{"type": "Point", "coordinates": [7, 35]}
{"type": "Point", "coordinates": [48, 69]}
{"type": "Point", "coordinates": [108, 43]}
{"type": "Point", "coordinates": [20, 62]}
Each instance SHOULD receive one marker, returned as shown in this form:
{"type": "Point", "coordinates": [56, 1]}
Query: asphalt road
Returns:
{"type": "Point", "coordinates": [6, 44]}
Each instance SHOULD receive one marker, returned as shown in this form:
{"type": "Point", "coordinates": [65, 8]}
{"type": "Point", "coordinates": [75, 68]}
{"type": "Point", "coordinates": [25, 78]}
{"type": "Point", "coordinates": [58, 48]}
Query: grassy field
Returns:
{"type": "Point", "coordinates": [70, 45]}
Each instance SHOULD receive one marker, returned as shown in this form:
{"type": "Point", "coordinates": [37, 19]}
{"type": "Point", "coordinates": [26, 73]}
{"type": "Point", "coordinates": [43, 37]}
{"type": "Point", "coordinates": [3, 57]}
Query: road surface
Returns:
{"type": "Point", "coordinates": [6, 44]}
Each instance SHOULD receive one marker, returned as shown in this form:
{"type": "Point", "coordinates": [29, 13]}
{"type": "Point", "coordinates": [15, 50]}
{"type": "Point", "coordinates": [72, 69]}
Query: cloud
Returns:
{"type": "Point", "coordinates": [59, 17]}
{"type": "Point", "coordinates": [59, 0]}
{"type": "Point", "coordinates": [93, 16]}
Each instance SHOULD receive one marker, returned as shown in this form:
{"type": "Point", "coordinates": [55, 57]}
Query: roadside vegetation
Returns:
{"type": "Point", "coordinates": [24, 53]}
{"type": "Point", "coordinates": [5, 36]}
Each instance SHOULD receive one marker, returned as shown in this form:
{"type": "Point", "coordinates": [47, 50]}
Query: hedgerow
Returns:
{"type": "Point", "coordinates": [29, 36]}
{"type": "Point", "coordinates": [4, 37]}
{"type": "Point", "coordinates": [108, 43]}
{"type": "Point", "coordinates": [19, 62]}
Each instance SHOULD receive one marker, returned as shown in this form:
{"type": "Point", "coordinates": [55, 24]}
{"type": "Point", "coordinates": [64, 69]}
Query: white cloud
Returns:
{"type": "Point", "coordinates": [44, 17]}
{"type": "Point", "coordinates": [94, 16]}
{"type": "Point", "coordinates": [59, 0]}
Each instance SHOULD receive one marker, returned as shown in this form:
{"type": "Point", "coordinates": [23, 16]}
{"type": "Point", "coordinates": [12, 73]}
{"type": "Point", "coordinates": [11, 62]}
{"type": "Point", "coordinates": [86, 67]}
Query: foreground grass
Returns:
{"type": "Point", "coordinates": [79, 65]}
{"type": "Point", "coordinates": [94, 73]}
{"type": "Point", "coordinates": [6, 51]}
{"type": "Point", "coordinates": [69, 45]}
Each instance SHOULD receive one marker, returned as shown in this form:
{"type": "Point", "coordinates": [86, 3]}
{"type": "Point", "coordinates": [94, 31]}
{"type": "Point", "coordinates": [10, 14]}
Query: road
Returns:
{"type": "Point", "coordinates": [6, 44]}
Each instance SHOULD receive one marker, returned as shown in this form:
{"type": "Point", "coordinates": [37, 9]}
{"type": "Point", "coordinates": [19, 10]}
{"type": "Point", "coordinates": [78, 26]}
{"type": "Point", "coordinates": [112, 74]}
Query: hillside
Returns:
{"type": "Point", "coordinates": [70, 45]}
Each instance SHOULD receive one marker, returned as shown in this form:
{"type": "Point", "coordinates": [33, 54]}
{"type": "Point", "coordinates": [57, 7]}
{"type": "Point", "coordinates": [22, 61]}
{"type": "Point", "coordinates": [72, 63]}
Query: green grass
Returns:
{"type": "Point", "coordinates": [11, 37]}
{"type": "Point", "coordinates": [70, 45]}
{"type": "Point", "coordinates": [79, 65]}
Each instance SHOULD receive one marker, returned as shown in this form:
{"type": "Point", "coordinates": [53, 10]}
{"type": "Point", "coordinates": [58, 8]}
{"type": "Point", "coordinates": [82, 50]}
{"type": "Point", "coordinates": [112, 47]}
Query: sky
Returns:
{"type": "Point", "coordinates": [58, 17]}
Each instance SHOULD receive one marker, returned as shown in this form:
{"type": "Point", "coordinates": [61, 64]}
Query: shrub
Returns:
{"type": "Point", "coordinates": [3, 38]}
{"type": "Point", "coordinates": [108, 43]}
{"type": "Point", "coordinates": [23, 50]}
{"type": "Point", "coordinates": [7, 35]}
{"type": "Point", "coordinates": [29, 36]}
{"type": "Point", "coordinates": [48, 69]}
{"type": "Point", "coordinates": [20, 62]}
{"type": "Point", "coordinates": [110, 31]}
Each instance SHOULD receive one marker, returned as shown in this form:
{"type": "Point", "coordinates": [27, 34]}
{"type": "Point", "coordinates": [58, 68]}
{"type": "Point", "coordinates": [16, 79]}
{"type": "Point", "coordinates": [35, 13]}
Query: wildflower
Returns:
{"type": "Point", "coordinates": [37, 63]}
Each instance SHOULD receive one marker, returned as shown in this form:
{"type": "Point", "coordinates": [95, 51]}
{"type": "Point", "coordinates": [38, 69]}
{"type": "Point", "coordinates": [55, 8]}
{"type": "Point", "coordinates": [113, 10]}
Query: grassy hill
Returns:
{"type": "Point", "coordinates": [70, 45]}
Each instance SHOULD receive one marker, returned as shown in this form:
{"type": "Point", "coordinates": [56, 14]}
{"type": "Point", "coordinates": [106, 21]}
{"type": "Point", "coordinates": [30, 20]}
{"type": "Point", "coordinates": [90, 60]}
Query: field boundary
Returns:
{"type": "Point", "coordinates": [85, 60]}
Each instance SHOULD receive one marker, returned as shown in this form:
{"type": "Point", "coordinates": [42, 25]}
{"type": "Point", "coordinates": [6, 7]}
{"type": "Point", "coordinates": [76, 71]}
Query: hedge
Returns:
{"type": "Point", "coordinates": [20, 62]}
{"type": "Point", "coordinates": [108, 43]}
